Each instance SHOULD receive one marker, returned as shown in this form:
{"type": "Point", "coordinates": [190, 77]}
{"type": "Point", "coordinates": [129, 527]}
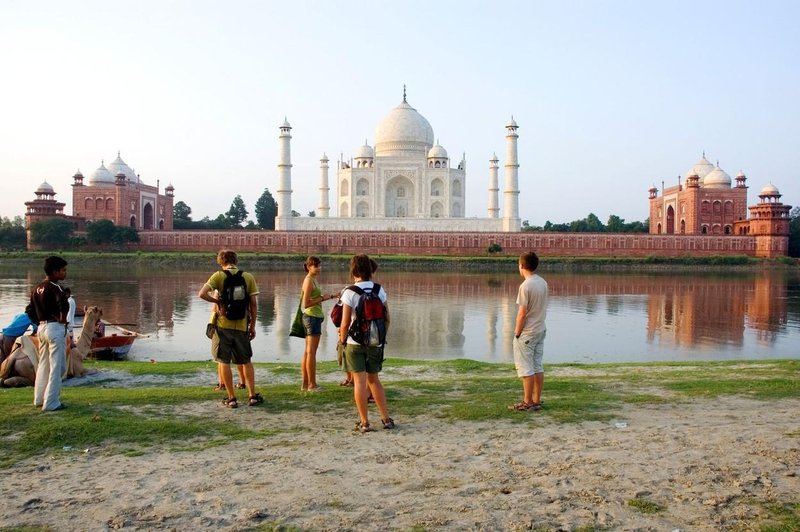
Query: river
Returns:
{"type": "Point", "coordinates": [592, 317]}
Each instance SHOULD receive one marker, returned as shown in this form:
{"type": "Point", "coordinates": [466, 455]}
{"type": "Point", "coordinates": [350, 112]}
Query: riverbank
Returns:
{"type": "Point", "coordinates": [489, 263]}
{"type": "Point", "coordinates": [645, 446]}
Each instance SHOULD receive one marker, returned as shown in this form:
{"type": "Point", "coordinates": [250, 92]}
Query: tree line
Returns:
{"type": "Point", "coordinates": [591, 224]}
{"type": "Point", "coordinates": [266, 209]}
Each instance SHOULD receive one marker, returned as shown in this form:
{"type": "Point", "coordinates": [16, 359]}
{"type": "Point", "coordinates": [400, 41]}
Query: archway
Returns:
{"type": "Point", "coordinates": [147, 216]}
{"type": "Point", "coordinates": [670, 220]}
{"type": "Point", "coordinates": [399, 198]}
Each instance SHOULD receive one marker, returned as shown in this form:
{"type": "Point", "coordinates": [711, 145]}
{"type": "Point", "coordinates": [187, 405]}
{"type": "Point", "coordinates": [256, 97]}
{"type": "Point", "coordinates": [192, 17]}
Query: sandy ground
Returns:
{"type": "Point", "coordinates": [711, 464]}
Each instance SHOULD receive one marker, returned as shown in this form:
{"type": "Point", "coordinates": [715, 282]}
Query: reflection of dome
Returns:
{"type": "Point", "coordinates": [437, 152]}
{"type": "Point", "coordinates": [118, 166]}
{"type": "Point", "coordinates": [700, 169]}
{"type": "Point", "coordinates": [769, 190]}
{"type": "Point", "coordinates": [365, 152]}
{"type": "Point", "coordinates": [403, 129]}
{"type": "Point", "coordinates": [45, 188]}
{"type": "Point", "coordinates": [717, 178]}
{"type": "Point", "coordinates": [101, 175]}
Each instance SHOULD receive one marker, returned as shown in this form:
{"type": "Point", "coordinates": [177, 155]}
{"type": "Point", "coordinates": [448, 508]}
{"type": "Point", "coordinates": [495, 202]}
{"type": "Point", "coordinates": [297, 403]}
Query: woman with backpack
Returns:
{"type": "Point", "coordinates": [365, 319]}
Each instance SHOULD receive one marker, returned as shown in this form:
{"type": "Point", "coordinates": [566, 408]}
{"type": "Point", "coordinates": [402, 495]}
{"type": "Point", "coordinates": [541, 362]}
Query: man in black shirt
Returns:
{"type": "Point", "coordinates": [51, 307]}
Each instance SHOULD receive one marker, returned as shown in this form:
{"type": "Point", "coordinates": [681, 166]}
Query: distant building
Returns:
{"type": "Point", "coordinates": [707, 204]}
{"type": "Point", "coordinates": [404, 183]}
{"type": "Point", "coordinates": [115, 193]}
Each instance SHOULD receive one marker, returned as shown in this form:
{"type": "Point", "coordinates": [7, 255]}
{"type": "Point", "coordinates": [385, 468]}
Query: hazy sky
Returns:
{"type": "Point", "coordinates": [610, 96]}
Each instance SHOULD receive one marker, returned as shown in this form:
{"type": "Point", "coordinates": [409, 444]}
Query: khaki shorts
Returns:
{"type": "Point", "coordinates": [360, 358]}
{"type": "Point", "coordinates": [231, 346]}
{"type": "Point", "coordinates": [528, 354]}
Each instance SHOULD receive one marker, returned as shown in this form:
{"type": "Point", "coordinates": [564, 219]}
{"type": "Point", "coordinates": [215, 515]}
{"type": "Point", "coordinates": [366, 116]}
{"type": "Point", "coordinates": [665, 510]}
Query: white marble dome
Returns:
{"type": "Point", "coordinates": [701, 169]}
{"type": "Point", "coordinates": [403, 130]}
{"type": "Point", "coordinates": [45, 188]}
{"type": "Point", "coordinates": [437, 152]}
{"type": "Point", "coordinates": [365, 152]}
{"type": "Point", "coordinates": [769, 190]}
{"type": "Point", "coordinates": [118, 166]}
{"type": "Point", "coordinates": [101, 176]}
{"type": "Point", "coordinates": [717, 178]}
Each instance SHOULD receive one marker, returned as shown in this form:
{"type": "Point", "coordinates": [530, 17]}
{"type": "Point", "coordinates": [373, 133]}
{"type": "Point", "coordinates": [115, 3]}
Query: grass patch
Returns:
{"type": "Point", "coordinates": [646, 506]}
{"type": "Point", "coordinates": [130, 420]}
{"type": "Point", "coordinates": [782, 518]}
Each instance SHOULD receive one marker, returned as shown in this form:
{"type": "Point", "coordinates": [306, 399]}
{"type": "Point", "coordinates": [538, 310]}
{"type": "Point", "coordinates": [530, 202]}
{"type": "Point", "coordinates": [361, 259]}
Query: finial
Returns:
{"type": "Point", "coordinates": [404, 93]}
{"type": "Point", "coordinates": [704, 154]}
{"type": "Point", "coordinates": [717, 163]}
{"type": "Point", "coordinates": [117, 153]}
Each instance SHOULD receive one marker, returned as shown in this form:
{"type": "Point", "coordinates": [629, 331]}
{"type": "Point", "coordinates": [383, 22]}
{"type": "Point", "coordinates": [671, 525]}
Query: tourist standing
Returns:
{"type": "Point", "coordinates": [313, 318]}
{"type": "Point", "coordinates": [236, 326]}
{"type": "Point", "coordinates": [363, 361]}
{"type": "Point", "coordinates": [529, 333]}
{"type": "Point", "coordinates": [51, 306]}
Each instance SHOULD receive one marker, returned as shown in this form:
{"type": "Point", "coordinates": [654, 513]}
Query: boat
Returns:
{"type": "Point", "coordinates": [114, 346]}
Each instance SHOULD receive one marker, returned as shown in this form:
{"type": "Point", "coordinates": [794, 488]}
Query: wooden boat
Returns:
{"type": "Point", "coordinates": [113, 346]}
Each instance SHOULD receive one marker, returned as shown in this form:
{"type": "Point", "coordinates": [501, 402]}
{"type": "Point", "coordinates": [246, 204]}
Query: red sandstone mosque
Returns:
{"type": "Point", "coordinates": [113, 193]}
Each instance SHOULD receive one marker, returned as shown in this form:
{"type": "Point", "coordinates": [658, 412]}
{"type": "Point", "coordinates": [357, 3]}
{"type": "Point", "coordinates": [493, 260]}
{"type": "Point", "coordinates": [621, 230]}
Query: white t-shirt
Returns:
{"type": "Point", "coordinates": [532, 295]}
{"type": "Point", "coordinates": [350, 298]}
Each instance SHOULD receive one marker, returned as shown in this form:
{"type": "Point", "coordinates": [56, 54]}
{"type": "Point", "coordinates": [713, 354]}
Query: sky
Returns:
{"type": "Point", "coordinates": [611, 97]}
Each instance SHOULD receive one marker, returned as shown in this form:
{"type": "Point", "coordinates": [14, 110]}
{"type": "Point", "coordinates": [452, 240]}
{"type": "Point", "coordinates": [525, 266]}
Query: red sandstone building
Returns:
{"type": "Point", "coordinates": [115, 193]}
{"type": "Point", "coordinates": [707, 204]}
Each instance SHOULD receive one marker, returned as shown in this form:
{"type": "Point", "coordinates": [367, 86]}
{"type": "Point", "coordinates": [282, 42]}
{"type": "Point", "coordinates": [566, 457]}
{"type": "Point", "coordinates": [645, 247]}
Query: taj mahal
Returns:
{"type": "Point", "coordinates": [404, 183]}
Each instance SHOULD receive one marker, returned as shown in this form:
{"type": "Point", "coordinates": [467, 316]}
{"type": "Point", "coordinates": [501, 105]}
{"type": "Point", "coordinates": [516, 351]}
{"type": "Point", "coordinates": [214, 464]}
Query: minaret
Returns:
{"type": "Point", "coordinates": [324, 207]}
{"type": "Point", "coordinates": [283, 221]}
{"type": "Point", "coordinates": [494, 210]}
{"type": "Point", "coordinates": [511, 221]}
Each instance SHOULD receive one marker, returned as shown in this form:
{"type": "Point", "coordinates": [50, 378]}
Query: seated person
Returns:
{"type": "Point", "coordinates": [99, 329]}
{"type": "Point", "coordinates": [19, 325]}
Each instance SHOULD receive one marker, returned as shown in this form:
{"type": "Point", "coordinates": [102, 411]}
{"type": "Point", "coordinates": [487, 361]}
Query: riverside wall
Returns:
{"type": "Point", "coordinates": [453, 244]}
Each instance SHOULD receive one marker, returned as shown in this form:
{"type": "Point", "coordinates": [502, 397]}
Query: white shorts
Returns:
{"type": "Point", "coordinates": [528, 354]}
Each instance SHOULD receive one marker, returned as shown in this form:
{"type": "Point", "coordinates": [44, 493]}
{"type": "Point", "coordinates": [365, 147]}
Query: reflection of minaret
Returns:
{"type": "Point", "coordinates": [511, 221]}
{"type": "Point", "coordinates": [283, 222]}
{"type": "Point", "coordinates": [509, 305]}
{"type": "Point", "coordinates": [491, 331]}
{"type": "Point", "coordinates": [494, 210]}
{"type": "Point", "coordinates": [324, 206]}
{"type": "Point", "coordinates": [285, 307]}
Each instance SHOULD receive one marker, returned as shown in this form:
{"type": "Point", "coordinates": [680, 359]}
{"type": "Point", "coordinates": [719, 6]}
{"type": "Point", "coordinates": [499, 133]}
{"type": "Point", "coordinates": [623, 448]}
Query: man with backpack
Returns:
{"type": "Point", "coordinates": [365, 321]}
{"type": "Point", "coordinates": [236, 325]}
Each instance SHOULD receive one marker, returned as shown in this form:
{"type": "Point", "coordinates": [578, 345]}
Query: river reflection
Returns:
{"type": "Point", "coordinates": [591, 318]}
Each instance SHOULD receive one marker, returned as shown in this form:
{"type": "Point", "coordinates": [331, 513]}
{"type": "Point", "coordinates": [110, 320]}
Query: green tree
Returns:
{"type": "Point", "coordinates": [615, 224]}
{"type": "Point", "coordinates": [237, 214]}
{"type": "Point", "coordinates": [100, 232]}
{"type": "Point", "coordinates": [312, 214]}
{"type": "Point", "coordinates": [794, 232]}
{"type": "Point", "coordinates": [51, 232]}
{"type": "Point", "coordinates": [266, 210]}
{"type": "Point", "coordinates": [12, 233]}
{"type": "Point", "coordinates": [182, 212]}
{"type": "Point", "coordinates": [295, 214]}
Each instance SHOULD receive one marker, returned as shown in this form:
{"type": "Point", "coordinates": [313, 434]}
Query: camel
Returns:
{"type": "Point", "coordinates": [19, 369]}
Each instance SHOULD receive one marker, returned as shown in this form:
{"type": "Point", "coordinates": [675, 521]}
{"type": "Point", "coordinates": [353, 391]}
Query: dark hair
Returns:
{"type": "Point", "coordinates": [53, 263]}
{"type": "Point", "coordinates": [311, 261]}
{"type": "Point", "coordinates": [361, 267]}
{"type": "Point", "coordinates": [529, 261]}
{"type": "Point", "coordinates": [227, 256]}
{"type": "Point", "coordinates": [373, 265]}
{"type": "Point", "coordinates": [67, 291]}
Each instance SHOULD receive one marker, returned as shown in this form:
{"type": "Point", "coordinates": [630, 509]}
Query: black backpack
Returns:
{"type": "Point", "coordinates": [369, 326]}
{"type": "Point", "coordinates": [234, 297]}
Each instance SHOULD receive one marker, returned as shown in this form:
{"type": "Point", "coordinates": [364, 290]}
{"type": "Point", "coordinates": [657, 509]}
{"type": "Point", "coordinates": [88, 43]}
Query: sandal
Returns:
{"type": "Point", "coordinates": [535, 407]}
{"type": "Point", "coordinates": [388, 423]}
{"type": "Point", "coordinates": [362, 427]}
{"type": "Point", "coordinates": [230, 402]}
{"type": "Point", "coordinates": [219, 387]}
{"type": "Point", "coordinates": [256, 399]}
{"type": "Point", "coordinates": [241, 386]}
{"type": "Point", "coordinates": [522, 407]}
{"type": "Point", "coordinates": [346, 382]}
